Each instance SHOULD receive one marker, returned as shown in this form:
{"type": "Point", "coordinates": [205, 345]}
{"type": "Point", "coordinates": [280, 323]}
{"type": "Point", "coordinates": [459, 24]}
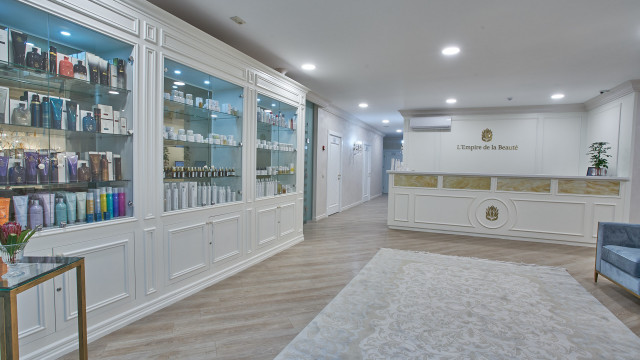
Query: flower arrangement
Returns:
{"type": "Point", "coordinates": [598, 154]}
{"type": "Point", "coordinates": [13, 241]}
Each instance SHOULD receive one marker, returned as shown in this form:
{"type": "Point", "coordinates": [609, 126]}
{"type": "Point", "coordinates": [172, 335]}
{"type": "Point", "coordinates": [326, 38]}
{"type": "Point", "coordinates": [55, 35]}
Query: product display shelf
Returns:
{"type": "Point", "coordinates": [68, 134]}
{"type": "Point", "coordinates": [203, 178]}
{"type": "Point", "coordinates": [195, 113]}
{"type": "Point", "coordinates": [17, 76]}
{"type": "Point", "coordinates": [264, 126]}
{"type": "Point", "coordinates": [278, 151]}
{"type": "Point", "coordinates": [197, 144]}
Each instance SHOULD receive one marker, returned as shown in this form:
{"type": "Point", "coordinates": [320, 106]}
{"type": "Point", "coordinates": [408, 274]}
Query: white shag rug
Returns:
{"type": "Point", "coordinates": [412, 305]}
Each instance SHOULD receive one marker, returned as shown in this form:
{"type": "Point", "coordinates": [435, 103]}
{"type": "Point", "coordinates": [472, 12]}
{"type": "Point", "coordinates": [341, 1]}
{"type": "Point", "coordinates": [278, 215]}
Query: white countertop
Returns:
{"type": "Point", "coordinates": [539, 176]}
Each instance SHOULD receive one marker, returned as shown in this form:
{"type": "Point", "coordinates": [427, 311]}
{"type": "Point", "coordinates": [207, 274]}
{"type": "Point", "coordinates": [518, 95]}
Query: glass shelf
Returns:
{"type": "Point", "coordinates": [18, 76]}
{"type": "Point", "coordinates": [65, 186]}
{"type": "Point", "coordinates": [195, 113]}
{"type": "Point", "coordinates": [70, 134]}
{"type": "Point", "coordinates": [195, 144]}
{"type": "Point", "coordinates": [201, 178]}
{"type": "Point", "coordinates": [277, 151]}
{"type": "Point", "coordinates": [264, 126]}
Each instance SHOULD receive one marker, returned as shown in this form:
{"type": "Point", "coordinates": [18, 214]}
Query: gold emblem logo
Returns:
{"type": "Point", "coordinates": [492, 213]}
{"type": "Point", "coordinates": [487, 135]}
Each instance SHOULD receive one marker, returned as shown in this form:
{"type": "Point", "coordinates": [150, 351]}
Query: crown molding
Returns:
{"type": "Point", "coordinates": [617, 92]}
{"type": "Point", "coordinates": [533, 109]}
{"type": "Point", "coordinates": [332, 109]}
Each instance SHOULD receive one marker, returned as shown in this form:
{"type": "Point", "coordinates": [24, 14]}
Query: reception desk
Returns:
{"type": "Point", "coordinates": [559, 209]}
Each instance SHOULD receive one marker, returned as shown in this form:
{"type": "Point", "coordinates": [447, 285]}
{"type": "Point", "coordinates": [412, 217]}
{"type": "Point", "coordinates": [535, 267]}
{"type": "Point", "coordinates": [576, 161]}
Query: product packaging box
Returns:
{"type": "Point", "coordinates": [4, 45]}
{"type": "Point", "coordinates": [123, 126]}
{"type": "Point", "coordinates": [93, 68]}
{"type": "Point", "coordinates": [116, 122]}
{"type": "Point", "coordinates": [17, 47]}
{"type": "Point", "coordinates": [106, 118]}
{"type": "Point", "coordinates": [4, 105]}
{"type": "Point", "coordinates": [110, 160]}
{"type": "Point", "coordinates": [62, 167]}
{"type": "Point", "coordinates": [104, 72]}
{"type": "Point", "coordinates": [113, 73]}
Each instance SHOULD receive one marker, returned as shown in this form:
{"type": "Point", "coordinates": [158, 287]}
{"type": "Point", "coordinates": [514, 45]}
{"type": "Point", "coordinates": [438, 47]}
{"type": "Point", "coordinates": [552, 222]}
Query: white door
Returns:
{"type": "Point", "coordinates": [334, 174]}
{"type": "Point", "coordinates": [366, 176]}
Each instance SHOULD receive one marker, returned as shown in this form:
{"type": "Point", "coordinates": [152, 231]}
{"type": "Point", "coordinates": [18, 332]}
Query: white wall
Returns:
{"type": "Point", "coordinates": [352, 165]}
{"type": "Point", "coordinates": [547, 143]}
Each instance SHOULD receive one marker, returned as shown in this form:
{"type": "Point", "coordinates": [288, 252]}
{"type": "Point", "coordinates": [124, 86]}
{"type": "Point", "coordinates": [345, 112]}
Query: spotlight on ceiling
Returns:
{"type": "Point", "coordinates": [451, 50]}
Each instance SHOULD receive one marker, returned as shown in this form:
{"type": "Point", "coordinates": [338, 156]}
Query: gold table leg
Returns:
{"type": "Point", "coordinates": [10, 326]}
{"type": "Point", "coordinates": [83, 351]}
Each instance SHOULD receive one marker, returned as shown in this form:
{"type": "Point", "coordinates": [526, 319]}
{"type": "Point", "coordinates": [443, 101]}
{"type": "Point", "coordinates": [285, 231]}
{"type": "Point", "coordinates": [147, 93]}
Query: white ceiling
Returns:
{"type": "Point", "coordinates": [387, 53]}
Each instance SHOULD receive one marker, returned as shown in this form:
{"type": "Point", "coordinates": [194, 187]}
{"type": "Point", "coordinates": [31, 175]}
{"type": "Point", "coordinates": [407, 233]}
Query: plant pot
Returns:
{"type": "Point", "coordinates": [601, 171]}
{"type": "Point", "coordinates": [12, 255]}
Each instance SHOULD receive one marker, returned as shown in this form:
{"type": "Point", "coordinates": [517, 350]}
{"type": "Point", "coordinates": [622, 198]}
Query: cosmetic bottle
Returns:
{"type": "Point", "coordinates": [47, 201]}
{"type": "Point", "coordinates": [70, 198]}
{"type": "Point", "coordinates": [88, 123]}
{"type": "Point", "coordinates": [31, 165]}
{"type": "Point", "coordinates": [94, 74]}
{"type": "Point", "coordinates": [116, 203]}
{"type": "Point", "coordinates": [90, 207]}
{"type": "Point", "coordinates": [72, 114]}
{"type": "Point", "coordinates": [122, 76]}
{"type": "Point", "coordinates": [56, 112]}
{"type": "Point", "coordinates": [104, 75]}
{"type": "Point", "coordinates": [175, 205]}
{"type": "Point", "coordinates": [228, 193]}
{"type": "Point", "coordinates": [167, 197]}
{"type": "Point", "coordinates": [45, 109]}
{"type": "Point", "coordinates": [61, 212]}
{"type": "Point", "coordinates": [97, 116]}
{"type": "Point", "coordinates": [34, 59]}
{"type": "Point", "coordinates": [36, 114]}
{"type": "Point", "coordinates": [84, 173]}
{"type": "Point", "coordinates": [103, 203]}
{"type": "Point", "coordinates": [53, 59]}
{"type": "Point", "coordinates": [122, 202]}
{"type": "Point", "coordinates": [19, 42]}
{"type": "Point", "coordinates": [97, 211]}
{"type": "Point", "coordinates": [36, 214]}
{"type": "Point", "coordinates": [109, 212]}
{"type": "Point", "coordinates": [72, 168]}
{"type": "Point", "coordinates": [117, 167]}
{"type": "Point", "coordinates": [53, 169]}
{"type": "Point", "coordinates": [66, 67]}
{"type": "Point", "coordinates": [81, 206]}
{"type": "Point", "coordinates": [21, 115]}
{"type": "Point", "coordinates": [214, 194]}
{"type": "Point", "coordinates": [80, 71]}
{"type": "Point", "coordinates": [21, 209]}
{"type": "Point", "coordinates": [104, 168]}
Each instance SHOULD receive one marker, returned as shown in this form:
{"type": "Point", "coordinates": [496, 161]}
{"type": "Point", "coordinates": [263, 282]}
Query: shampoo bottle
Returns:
{"type": "Point", "coordinates": [36, 115]}
{"type": "Point", "coordinates": [90, 207]}
{"type": "Point", "coordinates": [109, 213]}
{"type": "Point", "coordinates": [116, 203]}
{"type": "Point", "coordinates": [122, 199]}
{"type": "Point", "coordinates": [61, 212]}
{"type": "Point", "coordinates": [97, 207]}
{"type": "Point", "coordinates": [103, 203]}
{"type": "Point", "coordinates": [36, 214]}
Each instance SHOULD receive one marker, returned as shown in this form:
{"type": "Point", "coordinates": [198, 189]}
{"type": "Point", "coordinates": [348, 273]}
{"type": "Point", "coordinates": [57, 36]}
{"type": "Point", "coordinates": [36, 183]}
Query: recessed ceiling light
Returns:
{"type": "Point", "coordinates": [385, 121]}
{"type": "Point", "coordinates": [175, 86]}
{"type": "Point", "coordinates": [207, 82]}
{"type": "Point", "coordinates": [177, 72]}
{"type": "Point", "coordinates": [363, 105]}
{"type": "Point", "coordinates": [402, 141]}
{"type": "Point", "coordinates": [258, 99]}
{"type": "Point", "coordinates": [238, 20]}
{"type": "Point", "coordinates": [399, 130]}
{"type": "Point", "coordinates": [450, 50]}
{"type": "Point", "coordinates": [557, 96]}
{"type": "Point", "coordinates": [273, 104]}
{"type": "Point", "coordinates": [267, 110]}
{"type": "Point", "coordinates": [179, 83]}
{"type": "Point", "coordinates": [65, 33]}
{"type": "Point", "coordinates": [308, 67]}
{"type": "Point", "coordinates": [451, 101]}
{"type": "Point", "coordinates": [113, 92]}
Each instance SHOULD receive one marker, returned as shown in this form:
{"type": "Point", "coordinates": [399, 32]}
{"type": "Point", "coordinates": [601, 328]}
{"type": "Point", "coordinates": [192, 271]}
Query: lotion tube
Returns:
{"type": "Point", "coordinates": [81, 206]}
{"type": "Point", "coordinates": [21, 209]}
{"type": "Point", "coordinates": [70, 198]}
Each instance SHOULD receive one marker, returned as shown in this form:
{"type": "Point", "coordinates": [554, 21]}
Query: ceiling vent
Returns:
{"type": "Point", "coordinates": [430, 123]}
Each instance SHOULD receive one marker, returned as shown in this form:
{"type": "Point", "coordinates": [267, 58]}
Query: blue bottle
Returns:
{"type": "Point", "coordinates": [72, 109]}
{"type": "Point", "coordinates": [97, 213]}
{"type": "Point", "coordinates": [45, 107]}
{"type": "Point", "coordinates": [36, 114]}
{"type": "Point", "coordinates": [89, 123]}
{"type": "Point", "coordinates": [116, 208]}
{"type": "Point", "coordinates": [56, 112]}
{"type": "Point", "coordinates": [61, 211]}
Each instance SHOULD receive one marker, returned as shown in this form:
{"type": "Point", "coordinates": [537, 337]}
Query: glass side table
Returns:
{"type": "Point", "coordinates": [36, 271]}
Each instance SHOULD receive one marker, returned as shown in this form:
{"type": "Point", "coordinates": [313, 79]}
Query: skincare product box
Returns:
{"type": "Point", "coordinates": [106, 126]}
{"type": "Point", "coordinates": [62, 167]}
{"type": "Point", "coordinates": [110, 160]}
{"type": "Point", "coordinates": [106, 118]}
{"type": "Point", "coordinates": [123, 126]}
{"type": "Point", "coordinates": [116, 122]}
{"type": "Point", "coordinates": [4, 45]}
{"type": "Point", "coordinates": [113, 73]}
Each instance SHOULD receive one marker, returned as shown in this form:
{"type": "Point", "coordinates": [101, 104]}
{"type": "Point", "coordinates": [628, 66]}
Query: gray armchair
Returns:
{"type": "Point", "coordinates": [618, 255]}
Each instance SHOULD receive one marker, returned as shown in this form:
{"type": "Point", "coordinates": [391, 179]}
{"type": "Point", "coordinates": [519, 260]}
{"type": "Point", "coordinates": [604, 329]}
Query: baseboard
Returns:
{"type": "Point", "coordinates": [375, 196]}
{"type": "Point", "coordinates": [352, 205]}
{"type": "Point", "coordinates": [493, 236]}
{"type": "Point", "coordinates": [95, 332]}
{"type": "Point", "coordinates": [320, 217]}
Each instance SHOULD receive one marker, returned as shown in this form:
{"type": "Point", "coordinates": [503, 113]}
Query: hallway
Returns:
{"type": "Point", "coordinates": [256, 313]}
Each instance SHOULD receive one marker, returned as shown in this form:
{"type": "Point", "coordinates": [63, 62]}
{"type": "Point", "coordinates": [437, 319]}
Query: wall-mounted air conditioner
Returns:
{"type": "Point", "coordinates": [430, 123]}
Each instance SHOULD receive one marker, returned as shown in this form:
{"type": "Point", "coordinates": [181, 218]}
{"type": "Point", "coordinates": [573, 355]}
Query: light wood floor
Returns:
{"type": "Point", "coordinates": [255, 314]}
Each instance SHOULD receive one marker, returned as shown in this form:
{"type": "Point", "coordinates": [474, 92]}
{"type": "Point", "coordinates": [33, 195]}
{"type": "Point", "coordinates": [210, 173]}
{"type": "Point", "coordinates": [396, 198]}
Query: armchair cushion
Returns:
{"type": "Point", "coordinates": [625, 258]}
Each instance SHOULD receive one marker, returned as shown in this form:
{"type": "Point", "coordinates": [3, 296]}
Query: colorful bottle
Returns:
{"type": "Point", "coordinates": [72, 114]}
{"type": "Point", "coordinates": [88, 122]}
{"type": "Point", "coordinates": [36, 214]}
{"type": "Point", "coordinates": [36, 114]}
{"type": "Point", "coordinates": [116, 203]}
{"type": "Point", "coordinates": [66, 67]}
{"type": "Point", "coordinates": [104, 168]}
{"type": "Point", "coordinates": [122, 77]}
{"type": "Point", "coordinates": [103, 203]}
{"type": "Point", "coordinates": [90, 207]}
{"type": "Point", "coordinates": [122, 199]}
{"type": "Point", "coordinates": [84, 173]}
{"type": "Point", "coordinates": [109, 213]}
{"type": "Point", "coordinates": [97, 211]}
{"type": "Point", "coordinates": [61, 212]}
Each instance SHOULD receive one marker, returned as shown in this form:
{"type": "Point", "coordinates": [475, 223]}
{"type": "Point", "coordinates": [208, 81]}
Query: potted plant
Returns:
{"type": "Point", "coordinates": [12, 243]}
{"type": "Point", "coordinates": [599, 157]}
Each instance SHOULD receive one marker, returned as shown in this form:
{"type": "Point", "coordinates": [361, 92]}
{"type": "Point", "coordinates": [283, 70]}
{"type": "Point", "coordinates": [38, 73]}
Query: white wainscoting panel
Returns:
{"type": "Point", "coordinates": [149, 245]}
{"type": "Point", "coordinates": [443, 210]}
{"type": "Point", "coordinates": [109, 276]}
{"type": "Point", "coordinates": [227, 237]}
{"type": "Point", "coordinates": [552, 217]}
{"type": "Point", "coordinates": [267, 225]}
{"type": "Point", "coordinates": [602, 212]}
{"type": "Point", "coordinates": [36, 310]}
{"type": "Point", "coordinates": [287, 219]}
{"type": "Point", "coordinates": [186, 250]}
{"type": "Point", "coordinates": [401, 206]}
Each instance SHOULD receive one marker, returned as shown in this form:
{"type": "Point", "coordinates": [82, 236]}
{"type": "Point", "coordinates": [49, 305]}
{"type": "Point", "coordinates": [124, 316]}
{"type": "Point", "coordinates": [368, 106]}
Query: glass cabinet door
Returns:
{"type": "Point", "coordinates": [276, 150]}
{"type": "Point", "coordinates": [202, 139]}
{"type": "Point", "coordinates": [65, 121]}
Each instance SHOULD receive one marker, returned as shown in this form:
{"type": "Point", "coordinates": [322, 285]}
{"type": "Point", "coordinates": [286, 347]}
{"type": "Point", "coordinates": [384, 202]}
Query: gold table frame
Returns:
{"type": "Point", "coordinates": [9, 307]}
